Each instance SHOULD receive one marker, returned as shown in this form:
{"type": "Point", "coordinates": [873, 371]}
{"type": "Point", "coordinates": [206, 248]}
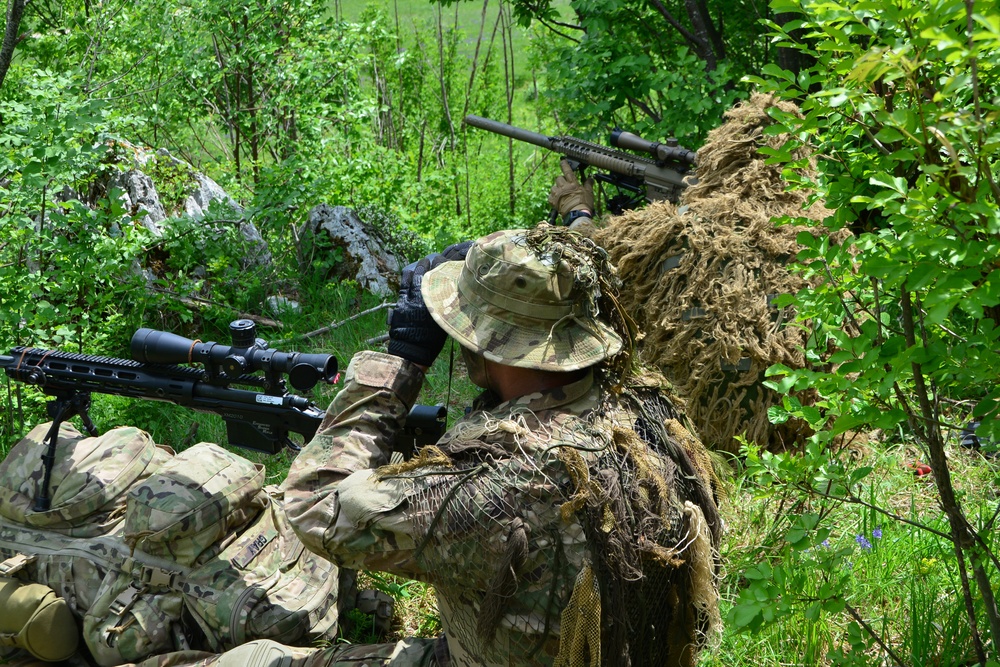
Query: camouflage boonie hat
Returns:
{"type": "Point", "coordinates": [516, 308]}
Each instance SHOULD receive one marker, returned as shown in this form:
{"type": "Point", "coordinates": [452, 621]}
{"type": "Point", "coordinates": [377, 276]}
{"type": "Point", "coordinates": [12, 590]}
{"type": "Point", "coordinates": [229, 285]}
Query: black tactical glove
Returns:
{"type": "Point", "coordinates": [457, 251]}
{"type": "Point", "coordinates": [413, 333]}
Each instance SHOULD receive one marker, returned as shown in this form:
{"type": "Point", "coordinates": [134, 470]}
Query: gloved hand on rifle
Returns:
{"type": "Point", "coordinates": [413, 333]}
{"type": "Point", "coordinates": [571, 199]}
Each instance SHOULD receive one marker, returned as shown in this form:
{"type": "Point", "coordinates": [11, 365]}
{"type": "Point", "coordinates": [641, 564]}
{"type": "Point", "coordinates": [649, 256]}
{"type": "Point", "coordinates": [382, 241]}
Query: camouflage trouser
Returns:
{"type": "Point", "coordinates": [266, 653]}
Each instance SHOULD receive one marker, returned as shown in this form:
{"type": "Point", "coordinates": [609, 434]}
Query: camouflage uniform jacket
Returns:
{"type": "Point", "coordinates": [486, 530]}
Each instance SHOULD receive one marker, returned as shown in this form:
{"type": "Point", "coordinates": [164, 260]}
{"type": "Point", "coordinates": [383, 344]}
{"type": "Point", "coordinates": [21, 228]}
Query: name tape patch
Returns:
{"type": "Point", "coordinates": [252, 550]}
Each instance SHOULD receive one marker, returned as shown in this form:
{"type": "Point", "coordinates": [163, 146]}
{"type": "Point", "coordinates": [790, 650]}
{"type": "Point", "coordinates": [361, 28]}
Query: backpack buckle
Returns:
{"type": "Point", "coordinates": [15, 564]}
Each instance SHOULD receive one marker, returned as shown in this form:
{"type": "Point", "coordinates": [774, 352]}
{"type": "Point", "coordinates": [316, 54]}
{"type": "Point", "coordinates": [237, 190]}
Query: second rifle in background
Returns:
{"type": "Point", "coordinates": [638, 179]}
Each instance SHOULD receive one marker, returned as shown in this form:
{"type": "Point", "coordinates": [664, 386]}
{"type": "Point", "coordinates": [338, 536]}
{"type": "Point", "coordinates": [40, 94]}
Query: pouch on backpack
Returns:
{"type": "Point", "coordinates": [90, 476]}
{"type": "Point", "coordinates": [268, 587]}
{"type": "Point", "coordinates": [34, 618]}
{"type": "Point", "coordinates": [184, 510]}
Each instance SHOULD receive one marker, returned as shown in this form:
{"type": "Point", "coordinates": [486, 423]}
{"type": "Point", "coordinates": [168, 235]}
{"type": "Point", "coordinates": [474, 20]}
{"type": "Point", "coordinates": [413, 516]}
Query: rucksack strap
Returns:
{"type": "Point", "coordinates": [150, 574]}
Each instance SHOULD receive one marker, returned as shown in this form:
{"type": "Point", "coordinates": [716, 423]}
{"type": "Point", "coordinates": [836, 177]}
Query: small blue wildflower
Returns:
{"type": "Point", "coordinates": [825, 544]}
{"type": "Point", "coordinates": [863, 542]}
{"type": "Point", "coordinates": [877, 533]}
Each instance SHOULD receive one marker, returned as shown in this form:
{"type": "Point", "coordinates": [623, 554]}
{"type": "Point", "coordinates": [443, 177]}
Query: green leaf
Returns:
{"type": "Point", "coordinates": [798, 538]}
{"type": "Point", "coordinates": [777, 72]}
{"type": "Point", "coordinates": [894, 183]}
{"type": "Point", "coordinates": [859, 474]}
{"type": "Point", "coordinates": [889, 134]}
{"type": "Point", "coordinates": [783, 385]}
{"type": "Point", "coordinates": [834, 605]}
{"type": "Point", "coordinates": [745, 614]}
{"type": "Point", "coordinates": [847, 422]}
{"type": "Point", "coordinates": [777, 415]}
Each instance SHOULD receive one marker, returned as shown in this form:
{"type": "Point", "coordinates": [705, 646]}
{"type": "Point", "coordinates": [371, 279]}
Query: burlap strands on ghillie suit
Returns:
{"type": "Point", "coordinates": [644, 488]}
{"type": "Point", "coordinates": [700, 279]}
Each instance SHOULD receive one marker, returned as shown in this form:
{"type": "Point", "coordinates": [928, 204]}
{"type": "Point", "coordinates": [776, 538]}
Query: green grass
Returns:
{"type": "Point", "coordinates": [905, 585]}
{"type": "Point", "coordinates": [414, 16]}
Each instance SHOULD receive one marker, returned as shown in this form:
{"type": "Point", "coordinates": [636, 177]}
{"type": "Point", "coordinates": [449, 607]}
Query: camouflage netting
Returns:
{"type": "Point", "coordinates": [700, 279]}
{"type": "Point", "coordinates": [648, 592]}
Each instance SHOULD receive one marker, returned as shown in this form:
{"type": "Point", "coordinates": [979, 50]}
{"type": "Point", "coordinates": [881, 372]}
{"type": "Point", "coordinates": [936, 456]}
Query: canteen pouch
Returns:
{"type": "Point", "coordinates": [34, 618]}
{"type": "Point", "coordinates": [131, 621]}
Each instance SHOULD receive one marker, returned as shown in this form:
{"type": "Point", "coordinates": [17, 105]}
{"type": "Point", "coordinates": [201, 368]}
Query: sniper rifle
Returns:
{"type": "Point", "coordinates": [259, 418]}
{"type": "Point", "coordinates": [638, 179]}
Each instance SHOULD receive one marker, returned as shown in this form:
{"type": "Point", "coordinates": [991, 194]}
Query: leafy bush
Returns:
{"type": "Point", "coordinates": [906, 320]}
{"type": "Point", "coordinates": [68, 248]}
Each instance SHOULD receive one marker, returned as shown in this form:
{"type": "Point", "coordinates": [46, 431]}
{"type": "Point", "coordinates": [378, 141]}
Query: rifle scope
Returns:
{"type": "Point", "coordinates": [247, 354]}
{"type": "Point", "coordinates": [669, 151]}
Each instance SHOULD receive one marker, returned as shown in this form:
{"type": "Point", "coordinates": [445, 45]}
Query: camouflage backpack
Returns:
{"type": "Point", "coordinates": [156, 552]}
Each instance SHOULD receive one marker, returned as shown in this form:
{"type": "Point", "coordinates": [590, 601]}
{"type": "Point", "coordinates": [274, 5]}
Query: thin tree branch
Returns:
{"type": "Point", "coordinates": [855, 500]}
{"type": "Point", "coordinates": [684, 32]}
{"type": "Point", "coordinates": [874, 635]}
{"type": "Point", "coordinates": [336, 325]}
{"type": "Point", "coordinates": [551, 29]}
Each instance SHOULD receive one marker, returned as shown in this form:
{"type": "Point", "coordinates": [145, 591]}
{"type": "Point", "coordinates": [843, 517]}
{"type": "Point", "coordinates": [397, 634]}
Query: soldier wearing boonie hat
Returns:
{"type": "Point", "coordinates": [524, 515]}
{"type": "Point", "coordinates": [518, 307]}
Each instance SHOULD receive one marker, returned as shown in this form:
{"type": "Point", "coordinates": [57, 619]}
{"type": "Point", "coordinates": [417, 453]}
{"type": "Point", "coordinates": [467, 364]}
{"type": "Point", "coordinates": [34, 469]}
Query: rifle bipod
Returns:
{"type": "Point", "coordinates": [60, 409]}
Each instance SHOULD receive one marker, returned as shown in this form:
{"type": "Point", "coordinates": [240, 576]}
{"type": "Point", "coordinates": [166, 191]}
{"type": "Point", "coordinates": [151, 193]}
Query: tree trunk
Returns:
{"type": "Point", "coordinates": [792, 60]}
{"type": "Point", "coordinates": [963, 535]}
{"type": "Point", "coordinates": [15, 10]}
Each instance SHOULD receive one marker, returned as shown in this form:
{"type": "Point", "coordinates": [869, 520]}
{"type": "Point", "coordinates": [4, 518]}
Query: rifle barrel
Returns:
{"type": "Point", "coordinates": [506, 130]}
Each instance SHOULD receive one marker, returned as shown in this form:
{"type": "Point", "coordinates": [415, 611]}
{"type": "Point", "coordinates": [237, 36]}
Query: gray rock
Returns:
{"type": "Point", "coordinates": [364, 260]}
{"type": "Point", "coordinates": [140, 197]}
{"type": "Point", "coordinates": [258, 254]}
{"type": "Point", "coordinates": [206, 192]}
{"type": "Point", "coordinates": [279, 305]}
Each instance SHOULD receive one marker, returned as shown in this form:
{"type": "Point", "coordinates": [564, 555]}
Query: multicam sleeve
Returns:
{"type": "Point", "coordinates": [355, 436]}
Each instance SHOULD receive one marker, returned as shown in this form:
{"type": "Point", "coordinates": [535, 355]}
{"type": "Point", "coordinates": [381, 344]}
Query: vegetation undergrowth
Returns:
{"type": "Point", "coordinates": [819, 581]}
{"type": "Point", "coordinates": [904, 339]}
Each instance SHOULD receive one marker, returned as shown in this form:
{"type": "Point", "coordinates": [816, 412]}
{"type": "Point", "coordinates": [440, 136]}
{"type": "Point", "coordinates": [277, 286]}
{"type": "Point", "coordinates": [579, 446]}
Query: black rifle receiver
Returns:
{"type": "Point", "coordinates": [260, 417]}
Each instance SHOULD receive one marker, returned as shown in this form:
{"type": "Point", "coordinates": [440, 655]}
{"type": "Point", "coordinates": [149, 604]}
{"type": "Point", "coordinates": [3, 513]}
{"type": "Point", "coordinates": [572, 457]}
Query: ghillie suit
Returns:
{"type": "Point", "coordinates": [571, 526]}
{"type": "Point", "coordinates": [701, 278]}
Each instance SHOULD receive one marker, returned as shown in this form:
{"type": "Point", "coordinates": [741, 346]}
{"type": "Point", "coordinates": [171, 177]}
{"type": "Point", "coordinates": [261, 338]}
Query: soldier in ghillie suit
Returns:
{"type": "Point", "coordinates": [568, 519]}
